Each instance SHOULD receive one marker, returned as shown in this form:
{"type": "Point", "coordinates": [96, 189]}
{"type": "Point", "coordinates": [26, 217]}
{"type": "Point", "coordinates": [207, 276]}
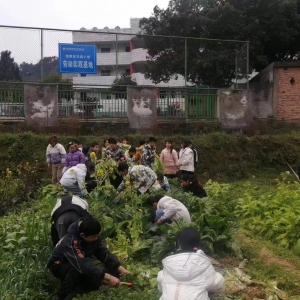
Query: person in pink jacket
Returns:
{"type": "Point", "coordinates": [169, 158]}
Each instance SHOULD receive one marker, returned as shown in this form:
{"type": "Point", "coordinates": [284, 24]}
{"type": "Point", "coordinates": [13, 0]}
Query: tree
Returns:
{"type": "Point", "coordinates": [9, 70]}
{"type": "Point", "coordinates": [32, 72]}
{"type": "Point", "coordinates": [119, 85]}
{"type": "Point", "coordinates": [271, 26]}
{"type": "Point", "coordinates": [125, 80]}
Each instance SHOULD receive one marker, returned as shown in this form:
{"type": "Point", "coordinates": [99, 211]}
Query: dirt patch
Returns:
{"type": "Point", "coordinates": [229, 262]}
{"type": "Point", "coordinates": [253, 292]}
{"type": "Point", "coordinates": [266, 255]}
{"type": "Point", "coordinates": [269, 259]}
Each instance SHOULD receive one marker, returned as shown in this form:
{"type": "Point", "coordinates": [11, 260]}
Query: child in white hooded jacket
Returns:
{"type": "Point", "coordinates": [186, 159]}
{"type": "Point", "coordinates": [73, 180]}
{"type": "Point", "coordinates": [189, 274]}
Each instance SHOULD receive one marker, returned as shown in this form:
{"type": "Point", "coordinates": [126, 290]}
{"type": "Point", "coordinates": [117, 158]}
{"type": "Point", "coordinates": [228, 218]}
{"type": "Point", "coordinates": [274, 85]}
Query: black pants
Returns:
{"type": "Point", "coordinates": [90, 185]}
{"type": "Point", "coordinates": [186, 172]}
{"type": "Point", "coordinates": [60, 227]}
{"type": "Point", "coordinates": [73, 283]}
{"type": "Point", "coordinates": [171, 176]}
{"type": "Point", "coordinates": [117, 181]}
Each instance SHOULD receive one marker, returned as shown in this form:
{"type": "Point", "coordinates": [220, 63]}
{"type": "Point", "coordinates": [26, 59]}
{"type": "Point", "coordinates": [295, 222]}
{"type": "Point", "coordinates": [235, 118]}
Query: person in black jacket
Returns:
{"type": "Point", "coordinates": [192, 185]}
{"type": "Point", "coordinates": [71, 260]}
{"type": "Point", "coordinates": [67, 210]}
{"type": "Point", "coordinates": [90, 182]}
{"type": "Point", "coordinates": [195, 154]}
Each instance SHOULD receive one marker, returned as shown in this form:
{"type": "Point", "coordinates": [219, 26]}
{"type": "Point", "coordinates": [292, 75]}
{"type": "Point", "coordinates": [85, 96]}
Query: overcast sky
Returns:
{"type": "Point", "coordinates": [65, 14]}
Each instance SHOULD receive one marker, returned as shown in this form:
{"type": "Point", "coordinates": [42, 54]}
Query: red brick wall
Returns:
{"type": "Point", "coordinates": [288, 105]}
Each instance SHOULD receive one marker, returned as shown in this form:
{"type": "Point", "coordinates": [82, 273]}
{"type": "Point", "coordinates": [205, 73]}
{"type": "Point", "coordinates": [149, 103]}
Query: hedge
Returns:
{"type": "Point", "coordinates": [220, 155]}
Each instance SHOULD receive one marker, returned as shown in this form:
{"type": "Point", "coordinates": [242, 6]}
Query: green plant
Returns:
{"type": "Point", "coordinates": [275, 214]}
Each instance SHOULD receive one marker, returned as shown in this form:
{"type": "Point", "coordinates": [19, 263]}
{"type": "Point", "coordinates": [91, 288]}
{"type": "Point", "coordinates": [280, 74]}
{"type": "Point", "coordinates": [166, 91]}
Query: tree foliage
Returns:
{"type": "Point", "coordinates": [9, 70]}
{"type": "Point", "coordinates": [124, 80]}
{"type": "Point", "coordinates": [271, 26]}
{"type": "Point", "coordinates": [120, 84]}
{"type": "Point", "coordinates": [32, 72]}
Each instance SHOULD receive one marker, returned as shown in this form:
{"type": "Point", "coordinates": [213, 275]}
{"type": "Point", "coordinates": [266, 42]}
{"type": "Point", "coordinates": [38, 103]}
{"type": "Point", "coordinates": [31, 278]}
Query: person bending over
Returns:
{"type": "Point", "coordinates": [163, 181]}
{"type": "Point", "coordinates": [168, 209]}
{"type": "Point", "coordinates": [67, 210]}
{"type": "Point", "coordinates": [191, 185]}
{"type": "Point", "coordinates": [142, 177]}
{"type": "Point", "coordinates": [73, 180]}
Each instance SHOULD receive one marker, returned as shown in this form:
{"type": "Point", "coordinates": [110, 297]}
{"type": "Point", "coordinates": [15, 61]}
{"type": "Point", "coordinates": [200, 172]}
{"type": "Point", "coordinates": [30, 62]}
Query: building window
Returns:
{"type": "Point", "coordinates": [127, 49]}
{"type": "Point", "coordinates": [127, 72]}
{"type": "Point", "coordinates": [105, 72]}
{"type": "Point", "coordinates": [105, 50]}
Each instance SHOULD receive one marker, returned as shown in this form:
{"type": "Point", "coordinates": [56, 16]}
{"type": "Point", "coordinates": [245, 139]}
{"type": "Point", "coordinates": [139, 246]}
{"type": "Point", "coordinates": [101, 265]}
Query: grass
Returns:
{"type": "Point", "coordinates": [270, 263]}
{"type": "Point", "coordinates": [22, 263]}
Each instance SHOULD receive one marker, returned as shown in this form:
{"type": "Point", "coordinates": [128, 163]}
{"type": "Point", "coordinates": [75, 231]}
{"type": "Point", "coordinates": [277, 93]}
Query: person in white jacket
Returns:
{"type": "Point", "coordinates": [189, 273]}
{"type": "Point", "coordinates": [186, 159]}
{"type": "Point", "coordinates": [73, 180]}
{"type": "Point", "coordinates": [168, 209]}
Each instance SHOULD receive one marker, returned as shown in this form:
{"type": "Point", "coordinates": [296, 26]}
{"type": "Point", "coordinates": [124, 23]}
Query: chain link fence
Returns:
{"type": "Point", "coordinates": [126, 58]}
{"type": "Point", "coordinates": [187, 72]}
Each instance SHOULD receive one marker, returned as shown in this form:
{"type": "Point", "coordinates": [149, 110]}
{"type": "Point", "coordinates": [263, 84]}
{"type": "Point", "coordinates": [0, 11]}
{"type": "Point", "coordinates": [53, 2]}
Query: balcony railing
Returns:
{"type": "Point", "coordinates": [94, 80]}
{"type": "Point", "coordinates": [110, 59]}
{"type": "Point", "coordinates": [139, 55]}
{"type": "Point", "coordinates": [90, 37]}
{"type": "Point", "coordinates": [141, 80]}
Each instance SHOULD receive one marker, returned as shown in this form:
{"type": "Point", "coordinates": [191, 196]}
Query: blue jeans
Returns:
{"type": "Point", "coordinates": [159, 213]}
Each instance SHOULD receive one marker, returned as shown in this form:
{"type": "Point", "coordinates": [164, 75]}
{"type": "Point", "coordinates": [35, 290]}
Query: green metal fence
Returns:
{"type": "Point", "coordinates": [11, 101]}
{"type": "Point", "coordinates": [96, 103]}
{"type": "Point", "coordinates": [187, 104]}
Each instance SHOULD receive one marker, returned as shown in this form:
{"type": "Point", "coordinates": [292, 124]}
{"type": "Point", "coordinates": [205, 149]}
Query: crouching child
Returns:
{"type": "Point", "coordinates": [67, 210]}
{"type": "Point", "coordinates": [189, 273]}
{"type": "Point", "coordinates": [163, 181]}
{"type": "Point", "coordinates": [71, 260]}
{"type": "Point", "coordinates": [73, 180]}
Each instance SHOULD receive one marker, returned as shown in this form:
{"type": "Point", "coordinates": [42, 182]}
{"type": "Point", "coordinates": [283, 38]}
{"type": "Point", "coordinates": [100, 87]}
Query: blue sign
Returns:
{"type": "Point", "coordinates": [77, 58]}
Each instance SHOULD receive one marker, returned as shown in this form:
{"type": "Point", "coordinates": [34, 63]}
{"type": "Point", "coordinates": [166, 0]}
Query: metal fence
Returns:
{"type": "Point", "coordinates": [98, 103]}
{"type": "Point", "coordinates": [125, 55]}
{"type": "Point", "coordinates": [92, 104]}
{"type": "Point", "coordinates": [11, 101]}
{"type": "Point", "coordinates": [189, 104]}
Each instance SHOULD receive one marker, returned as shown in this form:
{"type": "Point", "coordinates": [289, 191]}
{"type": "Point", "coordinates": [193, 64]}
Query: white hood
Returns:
{"type": "Point", "coordinates": [186, 266]}
{"type": "Point", "coordinates": [75, 175]}
{"type": "Point", "coordinates": [81, 167]}
{"type": "Point", "coordinates": [189, 276]}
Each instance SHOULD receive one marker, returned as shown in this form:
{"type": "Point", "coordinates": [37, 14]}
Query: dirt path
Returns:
{"type": "Point", "coordinates": [269, 258]}
{"type": "Point", "coordinates": [265, 276]}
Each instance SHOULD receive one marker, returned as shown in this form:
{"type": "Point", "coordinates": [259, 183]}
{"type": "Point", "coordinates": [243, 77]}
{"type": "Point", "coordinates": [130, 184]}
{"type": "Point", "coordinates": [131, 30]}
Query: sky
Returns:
{"type": "Point", "coordinates": [63, 14]}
